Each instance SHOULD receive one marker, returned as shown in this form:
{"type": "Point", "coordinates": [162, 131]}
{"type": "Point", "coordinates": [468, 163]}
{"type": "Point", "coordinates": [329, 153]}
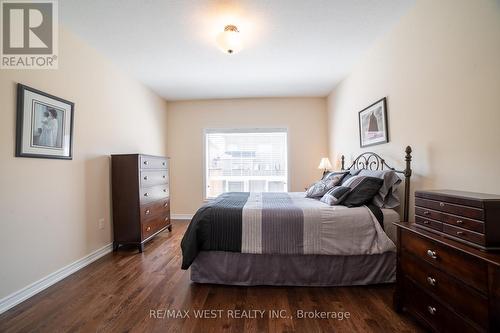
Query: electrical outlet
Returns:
{"type": "Point", "coordinates": [101, 223]}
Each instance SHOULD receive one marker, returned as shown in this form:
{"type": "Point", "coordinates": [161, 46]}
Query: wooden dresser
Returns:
{"type": "Point", "coordinates": [447, 285]}
{"type": "Point", "coordinates": [141, 198]}
{"type": "Point", "coordinates": [471, 218]}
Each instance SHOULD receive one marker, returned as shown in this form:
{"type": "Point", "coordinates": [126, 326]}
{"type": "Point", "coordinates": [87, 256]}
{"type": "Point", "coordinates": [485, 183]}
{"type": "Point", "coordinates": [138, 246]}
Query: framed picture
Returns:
{"type": "Point", "coordinates": [373, 124]}
{"type": "Point", "coordinates": [44, 125]}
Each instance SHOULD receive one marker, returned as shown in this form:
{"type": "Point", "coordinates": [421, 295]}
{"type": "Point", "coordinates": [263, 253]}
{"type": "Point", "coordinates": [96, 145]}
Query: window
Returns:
{"type": "Point", "coordinates": [245, 160]}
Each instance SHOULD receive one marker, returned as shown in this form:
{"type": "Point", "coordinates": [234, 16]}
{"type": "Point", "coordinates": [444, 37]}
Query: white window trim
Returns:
{"type": "Point", "coordinates": [243, 130]}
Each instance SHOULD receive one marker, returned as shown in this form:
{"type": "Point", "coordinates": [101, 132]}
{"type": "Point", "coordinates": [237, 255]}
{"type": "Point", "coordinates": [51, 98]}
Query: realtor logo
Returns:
{"type": "Point", "coordinates": [29, 34]}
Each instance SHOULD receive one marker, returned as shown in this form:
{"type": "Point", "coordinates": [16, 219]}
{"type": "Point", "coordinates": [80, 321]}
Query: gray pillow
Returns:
{"type": "Point", "coordinates": [387, 196]}
{"type": "Point", "coordinates": [335, 195]}
{"type": "Point", "coordinates": [349, 175]}
{"type": "Point", "coordinates": [320, 188]}
{"type": "Point", "coordinates": [362, 191]}
{"type": "Point", "coordinates": [335, 173]}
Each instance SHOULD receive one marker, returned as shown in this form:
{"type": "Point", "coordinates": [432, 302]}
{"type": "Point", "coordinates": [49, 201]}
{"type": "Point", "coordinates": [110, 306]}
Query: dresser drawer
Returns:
{"type": "Point", "coordinates": [155, 208]}
{"type": "Point", "coordinates": [150, 162]}
{"type": "Point", "coordinates": [427, 222]}
{"type": "Point", "coordinates": [151, 178]}
{"type": "Point", "coordinates": [455, 220]}
{"type": "Point", "coordinates": [154, 193]}
{"type": "Point", "coordinates": [433, 312]}
{"type": "Point", "coordinates": [153, 225]}
{"type": "Point", "coordinates": [464, 234]}
{"type": "Point", "coordinates": [464, 267]}
{"type": "Point", "coordinates": [470, 212]}
{"type": "Point", "coordinates": [463, 299]}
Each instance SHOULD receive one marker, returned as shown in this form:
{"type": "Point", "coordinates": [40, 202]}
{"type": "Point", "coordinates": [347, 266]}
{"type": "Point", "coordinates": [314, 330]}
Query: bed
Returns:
{"type": "Point", "coordinates": [288, 239]}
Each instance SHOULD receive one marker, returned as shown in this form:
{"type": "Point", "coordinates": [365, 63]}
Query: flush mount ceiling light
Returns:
{"type": "Point", "coordinates": [229, 40]}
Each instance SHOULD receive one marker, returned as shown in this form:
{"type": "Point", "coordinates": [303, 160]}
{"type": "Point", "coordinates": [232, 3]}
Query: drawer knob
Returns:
{"type": "Point", "coordinates": [165, 204]}
{"type": "Point", "coordinates": [426, 222]}
{"type": "Point", "coordinates": [432, 310]}
{"type": "Point", "coordinates": [426, 212]}
{"type": "Point", "coordinates": [460, 221]}
{"type": "Point", "coordinates": [148, 212]}
{"type": "Point", "coordinates": [166, 219]}
{"type": "Point", "coordinates": [146, 162]}
{"type": "Point", "coordinates": [164, 176]}
{"type": "Point", "coordinates": [146, 194]}
{"type": "Point", "coordinates": [431, 280]}
{"type": "Point", "coordinates": [165, 190]}
{"type": "Point", "coordinates": [460, 233]}
{"type": "Point", "coordinates": [432, 254]}
{"type": "Point", "coordinates": [163, 163]}
{"type": "Point", "coordinates": [441, 204]}
{"type": "Point", "coordinates": [145, 177]}
{"type": "Point", "coordinates": [148, 228]}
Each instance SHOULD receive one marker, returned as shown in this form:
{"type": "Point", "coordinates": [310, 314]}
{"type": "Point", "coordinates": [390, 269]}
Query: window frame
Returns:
{"type": "Point", "coordinates": [243, 130]}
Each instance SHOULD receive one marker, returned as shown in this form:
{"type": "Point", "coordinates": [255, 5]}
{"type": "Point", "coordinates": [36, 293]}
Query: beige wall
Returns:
{"type": "Point", "coordinates": [305, 119]}
{"type": "Point", "coordinates": [49, 209]}
{"type": "Point", "coordinates": [440, 70]}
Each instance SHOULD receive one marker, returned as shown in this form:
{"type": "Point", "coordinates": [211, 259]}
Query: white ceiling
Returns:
{"type": "Point", "coordinates": [291, 47]}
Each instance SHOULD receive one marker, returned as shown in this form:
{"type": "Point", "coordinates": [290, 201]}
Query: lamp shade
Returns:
{"type": "Point", "coordinates": [325, 164]}
{"type": "Point", "coordinates": [229, 40]}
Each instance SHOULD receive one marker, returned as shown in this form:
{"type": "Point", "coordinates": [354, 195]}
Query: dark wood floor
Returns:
{"type": "Point", "coordinates": [119, 292]}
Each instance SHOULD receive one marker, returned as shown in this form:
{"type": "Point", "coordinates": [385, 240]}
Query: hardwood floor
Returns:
{"type": "Point", "coordinates": [121, 291]}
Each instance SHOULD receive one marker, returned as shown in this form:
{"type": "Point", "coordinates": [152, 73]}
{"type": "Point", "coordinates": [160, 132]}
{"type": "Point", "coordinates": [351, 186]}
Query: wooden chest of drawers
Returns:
{"type": "Point", "coordinates": [446, 285]}
{"type": "Point", "coordinates": [471, 218]}
{"type": "Point", "coordinates": [141, 198]}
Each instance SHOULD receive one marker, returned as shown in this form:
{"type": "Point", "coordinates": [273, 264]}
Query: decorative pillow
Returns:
{"type": "Point", "coordinates": [349, 175]}
{"type": "Point", "coordinates": [387, 196]}
{"type": "Point", "coordinates": [335, 173]}
{"type": "Point", "coordinates": [352, 181]}
{"type": "Point", "coordinates": [363, 190]}
{"type": "Point", "coordinates": [321, 187]}
{"type": "Point", "coordinates": [335, 195]}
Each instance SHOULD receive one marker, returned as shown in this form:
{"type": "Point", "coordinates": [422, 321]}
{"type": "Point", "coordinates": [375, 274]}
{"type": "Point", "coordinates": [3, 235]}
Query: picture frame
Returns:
{"type": "Point", "coordinates": [44, 125]}
{"type": "Point", "coordinates": [373, 124]}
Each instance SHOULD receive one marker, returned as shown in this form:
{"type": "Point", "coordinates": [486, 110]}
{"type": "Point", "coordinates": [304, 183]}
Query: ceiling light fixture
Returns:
{"type": "Point", "coordinates": [229, 40]}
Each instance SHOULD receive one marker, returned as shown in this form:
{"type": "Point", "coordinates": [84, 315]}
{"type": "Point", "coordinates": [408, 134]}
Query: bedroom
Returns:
{"type": "Point", "coordinates": [155, 78]}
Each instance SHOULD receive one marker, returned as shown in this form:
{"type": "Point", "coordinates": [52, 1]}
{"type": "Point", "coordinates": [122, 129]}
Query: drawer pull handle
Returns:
{"type": "Point", "coordinates": [426, 222]}
{"type": "Point", "coordinates": [460, 233]}
{"type": "Point", "coordinates": [431, 280]}
{"type": "Point", "coordinates": [460, 221]}
{"type": "Point", "coordinates": [432, 310]}
{"type": "Point", "coordinates": [148, 212]}
{"type": "Point", "coordinates": [166, 219]}
{"type": "Point", "coordinates": [165, 205]}
{"type": "Point", "coordinates": [146, 194]}
{"type": "Point", "coordinates": [145, 177]}
{"type": "Point", "coordinates": [432, 254]}
{"type": "Point", "coordinates": [426, 212]}
{"type": "Point", "coordinates": [146, 162]}
{"type": "Point", "coordinates": [441, 204]}
{"type": "Point", "coordinates": [148, 228]}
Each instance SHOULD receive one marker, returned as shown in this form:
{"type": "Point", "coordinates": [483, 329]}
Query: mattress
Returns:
{"type": "Point", "coordinates": [286, 224]}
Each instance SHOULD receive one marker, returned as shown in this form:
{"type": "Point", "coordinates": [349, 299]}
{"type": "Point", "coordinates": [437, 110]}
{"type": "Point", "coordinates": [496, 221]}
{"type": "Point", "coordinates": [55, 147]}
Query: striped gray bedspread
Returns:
{"type": "Point", "coordinates": [282, 223]}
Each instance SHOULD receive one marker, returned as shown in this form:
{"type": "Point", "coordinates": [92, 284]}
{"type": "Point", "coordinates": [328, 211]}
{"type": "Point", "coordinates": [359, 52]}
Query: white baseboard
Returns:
{"type": "Point", "coordinates": [181, 216]}
{"type": "Point", "coordinates": [21, 295]}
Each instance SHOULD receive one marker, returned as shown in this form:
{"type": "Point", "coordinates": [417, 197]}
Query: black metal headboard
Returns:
{"type": "Point", "coordinates": [373, 161]}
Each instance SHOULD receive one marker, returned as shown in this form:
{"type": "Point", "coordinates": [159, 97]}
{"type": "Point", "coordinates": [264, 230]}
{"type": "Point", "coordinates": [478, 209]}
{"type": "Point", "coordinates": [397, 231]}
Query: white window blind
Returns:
{"type": "Point", "coordinates": [245, 160]}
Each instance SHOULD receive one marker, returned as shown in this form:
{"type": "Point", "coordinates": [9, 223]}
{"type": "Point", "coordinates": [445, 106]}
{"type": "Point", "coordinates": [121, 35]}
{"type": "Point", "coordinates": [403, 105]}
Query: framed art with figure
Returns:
{"type": "Point", "coordinates": [44, 125]}
{"type": "Point", "coordinates": [373, 124]}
